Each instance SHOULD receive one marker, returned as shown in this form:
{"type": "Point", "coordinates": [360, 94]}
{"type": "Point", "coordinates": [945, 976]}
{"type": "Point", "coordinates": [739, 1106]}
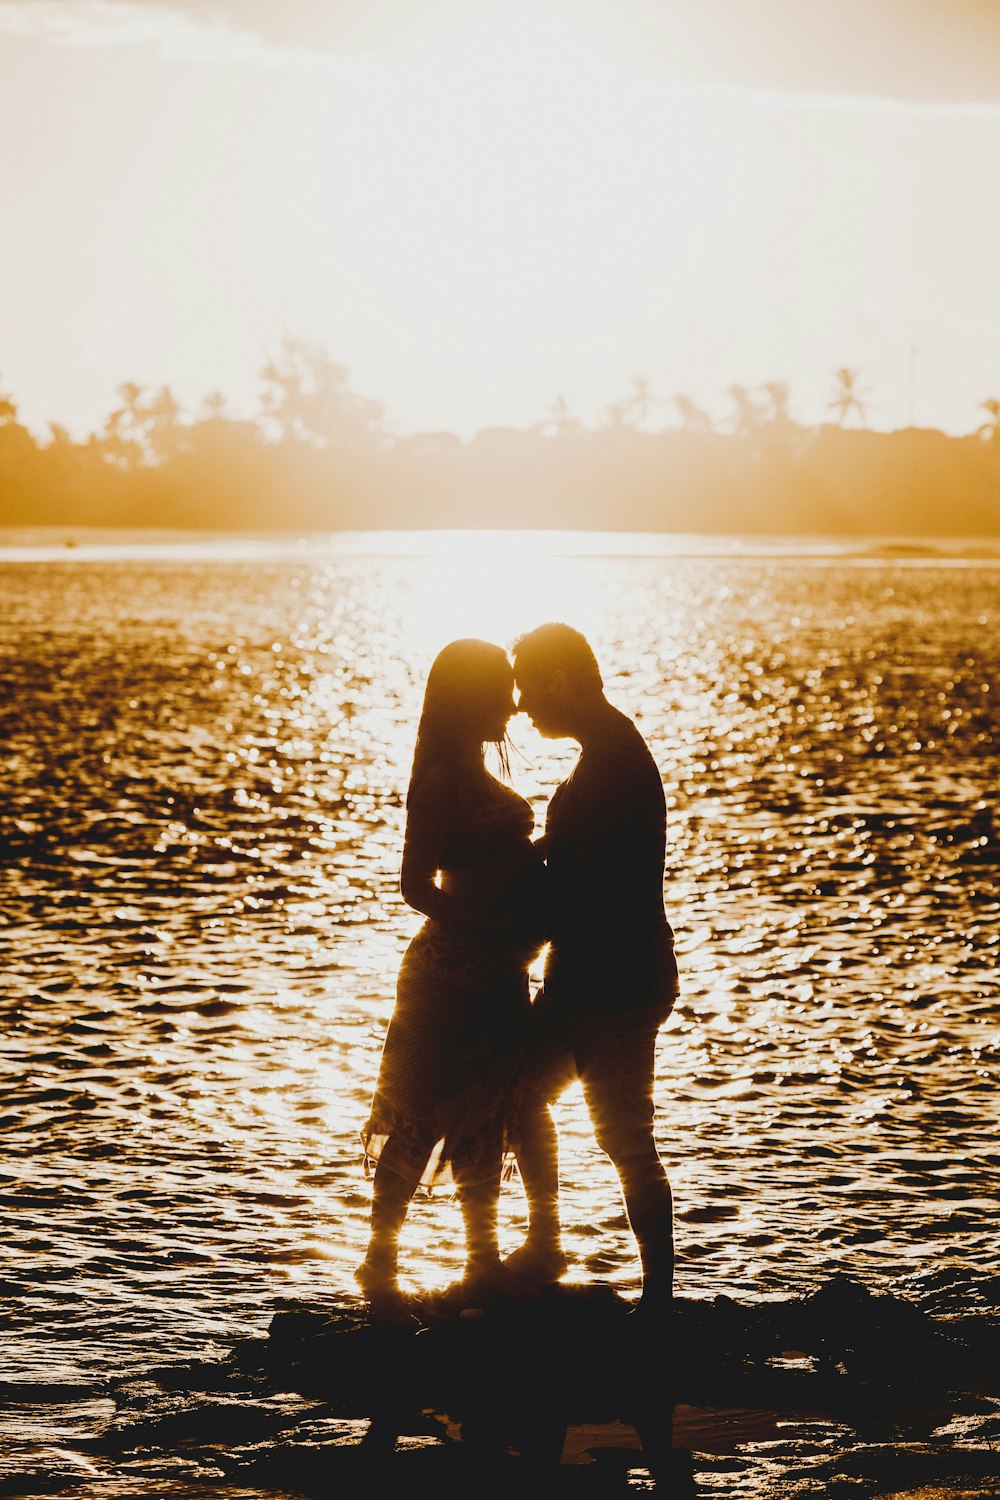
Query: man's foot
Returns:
{"type": "Point", "coordinates": [654, 1311]}
{"type": "Point", "coordinates": [538, 1265]}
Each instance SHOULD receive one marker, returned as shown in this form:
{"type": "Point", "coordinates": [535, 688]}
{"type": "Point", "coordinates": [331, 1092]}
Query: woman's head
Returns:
{"type": "Point", "coordinates": [468, 699]}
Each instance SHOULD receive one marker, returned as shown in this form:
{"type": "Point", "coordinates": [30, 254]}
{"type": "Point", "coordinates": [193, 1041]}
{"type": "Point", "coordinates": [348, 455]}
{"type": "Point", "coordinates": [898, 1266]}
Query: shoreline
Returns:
{"type": "Point", "coordinates": [79, 544]}
{"type": "Point", "coordinates": [841, 1385]}
{"type": "Point", "coordinates": [541, 1391]}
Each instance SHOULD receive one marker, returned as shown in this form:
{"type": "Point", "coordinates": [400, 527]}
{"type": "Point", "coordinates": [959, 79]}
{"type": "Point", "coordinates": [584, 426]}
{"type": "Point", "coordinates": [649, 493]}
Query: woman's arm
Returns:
{"type": "Point", "coordinates": [418, 884]}
{"type": "Point", "coordinates": [429, 820]}
{"type": "Point", "coordinates": [479, 902]}
{"type": "Point", "coordinates": [431, 816]}
{"type": "Point", "coordinates": [419, 889]}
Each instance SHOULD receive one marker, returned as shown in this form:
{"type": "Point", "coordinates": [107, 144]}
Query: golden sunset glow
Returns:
{"type": "Point", "coordinates": [499, 560]}
{"type": "Point", "coordinates": [480, 208]}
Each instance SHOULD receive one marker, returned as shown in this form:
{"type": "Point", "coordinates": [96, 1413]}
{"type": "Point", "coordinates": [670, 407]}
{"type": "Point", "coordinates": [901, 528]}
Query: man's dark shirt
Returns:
{"type": "Point", "coordinates": [612, 947]}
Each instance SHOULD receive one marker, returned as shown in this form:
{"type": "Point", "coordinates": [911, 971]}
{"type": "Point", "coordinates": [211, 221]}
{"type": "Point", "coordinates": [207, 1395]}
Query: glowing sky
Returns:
{"type": "Point", "coordinates": [480, 204]}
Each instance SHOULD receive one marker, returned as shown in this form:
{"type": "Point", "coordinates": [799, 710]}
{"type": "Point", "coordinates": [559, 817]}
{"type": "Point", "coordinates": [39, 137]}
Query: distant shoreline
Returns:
{"type": "Point", "coordinates": [19, 544]}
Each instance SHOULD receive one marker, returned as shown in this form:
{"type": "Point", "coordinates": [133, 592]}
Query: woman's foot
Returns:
{"type": "Point", "coordinates": [483, 1278]}
{"type": "Point", "coordinates": [537, 1264]}
{"type": "Point", "coordinates": [376, 1275]}
{"type": "Point", "coordinates": [388, 1303]}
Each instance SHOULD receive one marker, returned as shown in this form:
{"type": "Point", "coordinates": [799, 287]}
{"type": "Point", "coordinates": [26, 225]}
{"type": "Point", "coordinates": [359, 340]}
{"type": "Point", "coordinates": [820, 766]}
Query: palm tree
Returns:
{"type": "Point", "coordinates": [640, 403]}
{"type": "Point", "coordinates": [162, 424]}
{"type": "Point", "coordinates": [214, 407]}
{"type": "Point", "coordinates": [694, 418]}
{"type": "Point", "coordinates": [559, 419]}
{"type": "Point", "coordinates": [781, 433]}
{"type": "Point", "coordinates": [847, 396]}
{"type": "Point", "coordinates": [122, 438]}
{"type": "Point", "coordinates": [307, 397]}
{"type": "Point", "coordinates": [989, 431]}
{"type": "Point", "coordinates": [614, 416]}
{"type": "Point", "coordinates": [778, 396]}
{"type": "Point", "coordinates": [145, 429]}
{"type": "Point", "coordinates": [746, 411]}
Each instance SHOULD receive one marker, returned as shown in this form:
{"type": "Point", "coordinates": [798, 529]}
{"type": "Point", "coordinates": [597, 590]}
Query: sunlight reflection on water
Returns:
{"type": "Point", "coordinates": [204, 813]}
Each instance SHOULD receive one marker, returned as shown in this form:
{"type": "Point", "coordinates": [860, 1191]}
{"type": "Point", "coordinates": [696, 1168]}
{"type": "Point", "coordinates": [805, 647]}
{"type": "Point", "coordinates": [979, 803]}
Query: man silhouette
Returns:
{"type": "Point", "coordinates": [610, 975]}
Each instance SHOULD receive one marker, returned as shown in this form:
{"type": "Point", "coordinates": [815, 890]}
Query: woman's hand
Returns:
{"type": "Point", "coordinates": [523, 926]}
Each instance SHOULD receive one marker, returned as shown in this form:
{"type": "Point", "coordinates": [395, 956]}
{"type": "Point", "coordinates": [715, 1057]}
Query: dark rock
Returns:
{"type": "Point", "coordinates": [334, 1400]}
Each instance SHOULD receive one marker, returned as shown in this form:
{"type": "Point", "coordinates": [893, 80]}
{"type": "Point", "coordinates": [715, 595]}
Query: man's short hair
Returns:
{"type": "Point", "coordinates": [555, 647]}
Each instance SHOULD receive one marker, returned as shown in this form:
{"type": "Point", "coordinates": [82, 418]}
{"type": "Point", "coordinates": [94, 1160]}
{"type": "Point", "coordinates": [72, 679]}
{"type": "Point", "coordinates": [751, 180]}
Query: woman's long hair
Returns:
{"type": "Point", "coordinates": [465, 680]}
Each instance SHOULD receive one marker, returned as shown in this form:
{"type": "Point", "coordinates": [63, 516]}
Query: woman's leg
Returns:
{"type": "Point", "coordinates": [541, 1256]}
{"type": "Point", "coordinates": [397, 1177]}
{"type": "Point", "coordinates": [479, 1198]}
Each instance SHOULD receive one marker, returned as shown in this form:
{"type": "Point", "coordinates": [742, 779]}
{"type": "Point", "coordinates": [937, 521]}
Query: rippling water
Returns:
{"type": "Point", "coordinates": [206, 751]}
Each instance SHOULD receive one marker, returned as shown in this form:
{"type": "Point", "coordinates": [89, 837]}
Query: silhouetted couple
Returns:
{"type": "Point", "coordinates": [470, 1065]}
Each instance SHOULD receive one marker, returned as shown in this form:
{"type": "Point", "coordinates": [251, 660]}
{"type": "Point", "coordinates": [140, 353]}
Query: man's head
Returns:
{"type": "Point", "coordinates": [558, 679]}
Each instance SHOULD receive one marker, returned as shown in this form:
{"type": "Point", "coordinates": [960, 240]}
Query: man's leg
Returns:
{"type": "Point", "coordinates": [616, 1058]}
{"type": "Point", "coordinates": [650, 1208]}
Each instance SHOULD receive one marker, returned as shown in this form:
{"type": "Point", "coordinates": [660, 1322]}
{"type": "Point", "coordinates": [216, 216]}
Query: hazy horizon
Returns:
{"type": "Point", "coordinates": [480, 208]}
{"type": "Point", "coordinates": [638, 406]}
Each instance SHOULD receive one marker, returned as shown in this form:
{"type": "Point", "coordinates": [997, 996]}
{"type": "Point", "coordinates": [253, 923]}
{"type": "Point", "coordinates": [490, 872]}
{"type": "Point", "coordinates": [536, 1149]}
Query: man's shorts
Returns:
{"type": "Point", "coordinates": [613, 1056]}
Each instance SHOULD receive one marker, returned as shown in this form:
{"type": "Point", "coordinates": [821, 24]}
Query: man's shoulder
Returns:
{"type": "Point", "coordinates": [620, 741]}
{"type": "Point", "coordinates": [616, 773]}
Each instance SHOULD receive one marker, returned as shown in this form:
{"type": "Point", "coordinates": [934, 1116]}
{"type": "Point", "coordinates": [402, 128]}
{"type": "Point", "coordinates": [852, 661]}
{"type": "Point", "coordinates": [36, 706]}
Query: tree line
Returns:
{"type": "Point", "coordinates": [317, 456]}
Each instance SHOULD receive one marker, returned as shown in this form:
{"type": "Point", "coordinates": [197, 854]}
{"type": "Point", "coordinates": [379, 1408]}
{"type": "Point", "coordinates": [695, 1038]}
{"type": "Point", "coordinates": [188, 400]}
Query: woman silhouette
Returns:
{"type": "Point", "coordinates": [443, 1095]}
